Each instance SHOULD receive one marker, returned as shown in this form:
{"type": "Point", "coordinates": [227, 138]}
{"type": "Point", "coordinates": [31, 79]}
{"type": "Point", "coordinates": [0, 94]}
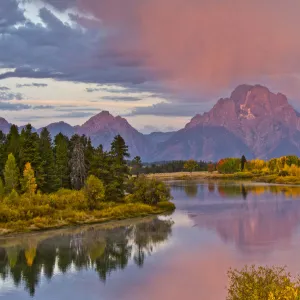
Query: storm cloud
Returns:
{"type": "Point", "coordinates": [183, 45]}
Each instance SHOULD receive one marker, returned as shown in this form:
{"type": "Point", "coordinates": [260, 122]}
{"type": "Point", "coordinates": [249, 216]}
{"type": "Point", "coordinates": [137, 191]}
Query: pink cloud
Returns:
{"type": "Point", "coordinates": [207, 44]}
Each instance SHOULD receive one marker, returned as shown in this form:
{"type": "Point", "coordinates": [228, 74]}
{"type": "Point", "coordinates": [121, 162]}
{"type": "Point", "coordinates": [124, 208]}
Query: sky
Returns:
{"type": "Point", "coordinates": [155, 62]}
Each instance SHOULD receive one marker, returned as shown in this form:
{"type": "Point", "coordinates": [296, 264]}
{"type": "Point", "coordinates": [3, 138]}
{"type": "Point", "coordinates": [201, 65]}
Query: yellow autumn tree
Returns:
{"type": "Point", "coordinates": [29, 183]}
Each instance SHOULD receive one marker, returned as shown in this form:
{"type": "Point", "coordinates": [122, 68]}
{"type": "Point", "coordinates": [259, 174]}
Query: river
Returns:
{"type": "Point", "coordinates": [186, 255]}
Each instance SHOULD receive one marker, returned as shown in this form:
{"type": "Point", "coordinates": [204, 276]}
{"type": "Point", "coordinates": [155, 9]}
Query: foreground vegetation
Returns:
{"type": "Point", "coordinates": [262, 283]}
{"type": "Point", "coordinates": [70, 183]}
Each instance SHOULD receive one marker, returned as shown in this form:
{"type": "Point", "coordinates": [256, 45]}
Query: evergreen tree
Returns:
{"type": "Point", "coordinates": [88, 154]}
{"type": "Point", "coordinates": [136, 165]}
{"type": "Point", "coordinates": [48, 166]}
{"type": "Point", "coordinates": [3, 152]}
{"type": "Point", "coordinates": [28, 182]}
{"type": "Point", "coordinates": [13, 142]}
{"type": "Point", "coordinates": [119, 169]}
{"type": "Point", "coordinates": [11, 174]}
{"type": "Point", "coordinates": [2, 190]}
{"type": "Point", "coordinates": [243, 162]}
{"type": "Point", "coordinates": [61, 143]}
{"type": "Point", "coordinates": [77, 165]}
{"type": "Point", "coordinates": [98, 167]}
{"type": "Point", "coordinates": [29, 152]}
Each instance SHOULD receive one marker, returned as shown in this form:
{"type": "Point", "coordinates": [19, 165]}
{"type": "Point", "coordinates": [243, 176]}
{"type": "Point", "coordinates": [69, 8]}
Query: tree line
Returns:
{"type": "Point", "coordinates": [167, 166]}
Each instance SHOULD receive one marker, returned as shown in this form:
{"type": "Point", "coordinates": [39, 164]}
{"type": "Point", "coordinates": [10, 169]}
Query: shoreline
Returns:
{"type": "Point", "coordinates": [271, 179]}
{"type": "Point", "coordinates": [147, 211]}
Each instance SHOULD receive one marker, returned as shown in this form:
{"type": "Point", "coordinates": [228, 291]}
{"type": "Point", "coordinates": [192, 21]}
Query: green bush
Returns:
{"type": "Point", "coordinates": [148, 190]}
{"type": "Point", "coordinates": [262, 283]}
{"type": "Point", "coordinates": [94, 191]}
{"type": "Point", "coordinates": [229, 165]}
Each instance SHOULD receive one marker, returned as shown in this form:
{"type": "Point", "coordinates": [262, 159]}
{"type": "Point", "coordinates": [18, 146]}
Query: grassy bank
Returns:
{"type": "Point", "coordinates": [43, 217]}
{"type": "Point", "coordinates": [275, 179]}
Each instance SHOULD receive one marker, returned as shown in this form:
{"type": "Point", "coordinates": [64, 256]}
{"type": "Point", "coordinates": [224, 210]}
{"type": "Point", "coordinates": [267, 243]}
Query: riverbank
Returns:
{"type": "Point", "coordinates": [64, 218]}
{"type": "Point", "coordinates": [276, 179]}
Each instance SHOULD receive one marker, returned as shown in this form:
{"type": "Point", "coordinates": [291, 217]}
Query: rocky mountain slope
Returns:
{"type": "Point", "coordinates": [103, 127]}
{"type": "Point", "coordinates": [261, 124]}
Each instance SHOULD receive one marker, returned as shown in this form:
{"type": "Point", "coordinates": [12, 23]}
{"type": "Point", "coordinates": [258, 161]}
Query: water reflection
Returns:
{"type": "Point", "coordinates": [264, 218]}
{"type": "Point", "coordinates": [25, 261]}
{"type": "Point", "coordinates": [232, 190]}
{"type": "Point", "coordinates": [191, 190]}
{"type": "Point", "coordinates": [217, 225]}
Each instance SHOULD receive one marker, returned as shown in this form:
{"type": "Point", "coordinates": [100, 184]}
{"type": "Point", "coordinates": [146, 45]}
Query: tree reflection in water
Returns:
{"type": "Point", "coordinates": [191, 189]}
{"type": "Point", "coordinates": [101, 250]}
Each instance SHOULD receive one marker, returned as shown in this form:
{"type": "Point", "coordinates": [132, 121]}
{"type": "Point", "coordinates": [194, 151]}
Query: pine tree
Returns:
{"type": "Point", "coordinates": [13, 142]}
{"type": "Point", "coordinates": [3, 152]}
{"type": "Point", "coordinates": [11, 174]}
{"type": "Point", "coordinates": [28, 182]}
{"type": "Point", "coordinates": [2, 190]}
{"type": "Point", "coordinates": [88, 154]}
{"type": "Point", "coordinates": [136, 165]}
{"type": "Point", "coordinates": [243, 162]}
{"type": "Point", "coordinates": [119, 169]}
{"type": "Point", "coordinates": [29, 152]}
{"type": "Point", "coordinates": [77, 165]}
{"type": "Point", "coordinates": [100, 164]}
{"type": "Point", "coordinates": [48, 166]}
{"type": "Point", "coordinates": [61, 152]}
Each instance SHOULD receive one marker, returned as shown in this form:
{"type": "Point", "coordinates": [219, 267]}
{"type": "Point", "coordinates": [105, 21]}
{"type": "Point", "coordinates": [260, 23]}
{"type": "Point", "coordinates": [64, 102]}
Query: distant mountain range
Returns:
{"type": "Point", "coordinates": [253, 121]}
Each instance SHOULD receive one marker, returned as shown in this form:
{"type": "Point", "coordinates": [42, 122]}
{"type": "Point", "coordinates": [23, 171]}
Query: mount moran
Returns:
{"type": "Point", "coordinates": [253, 121]}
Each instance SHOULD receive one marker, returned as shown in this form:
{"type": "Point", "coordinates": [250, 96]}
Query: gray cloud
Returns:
{"type": "Point", "coordinates": [62, 52]}
{"type": "Point", "coordinates": [10, 14]}
{"type": "Point", "coordinates": [6, 96]}
{"type": "Point", "coordinates": [76, 114]}
{"type": "Point", "coordinates": [85, 21]}
{"type": "Point", "coordinates": [169, 109]}
{"type": "Point", "coordinates": [13, 107]}
{"type": "Point", "coordinates": [4, 88]}
{"type": "Point", "coordinates": [61, 5]}
{"type": "Point", "coordinates": [34, 84]}
{"type": "Point", "coordinates": [92, 90]}
{"type": "Point", "coordinates": [43, 107]}
{"type": "Point", "coordinates": [120, 98]}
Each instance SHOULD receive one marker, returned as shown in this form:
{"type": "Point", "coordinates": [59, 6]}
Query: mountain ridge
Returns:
{"type": "Point", "coordinates": [251, 121]}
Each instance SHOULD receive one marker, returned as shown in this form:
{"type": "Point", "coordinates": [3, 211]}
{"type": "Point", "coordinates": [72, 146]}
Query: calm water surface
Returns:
{"type": "Point", "coordinates": [183, 256]}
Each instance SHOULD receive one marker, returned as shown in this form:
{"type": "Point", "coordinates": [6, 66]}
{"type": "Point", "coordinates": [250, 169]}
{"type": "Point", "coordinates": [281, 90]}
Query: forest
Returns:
{"type": "Point", "coordinates": [47, 183]}
{"type": "Point", "coordinates": [172, 167]}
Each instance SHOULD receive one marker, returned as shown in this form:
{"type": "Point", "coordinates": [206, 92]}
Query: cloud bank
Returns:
{"type": "Point", "coordinates": [182, 47]}
{"type": "Point", "coordinates": [206, 44]}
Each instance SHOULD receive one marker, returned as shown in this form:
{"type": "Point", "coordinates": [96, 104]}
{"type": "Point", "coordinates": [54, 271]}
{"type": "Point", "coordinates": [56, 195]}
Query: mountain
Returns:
{"type": "Point", "coordinates": [254, 121]}
{"type": "Point", "coordinates": [209, 143]}
{"type": "Point", "coordinates": [4, 125]}
{"type": "Point", "coordinates": [159, 137]}
{"type": "Point", "coordinates": [103, 127]}
{"type": "Point", "coordinates": [60, 127]}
